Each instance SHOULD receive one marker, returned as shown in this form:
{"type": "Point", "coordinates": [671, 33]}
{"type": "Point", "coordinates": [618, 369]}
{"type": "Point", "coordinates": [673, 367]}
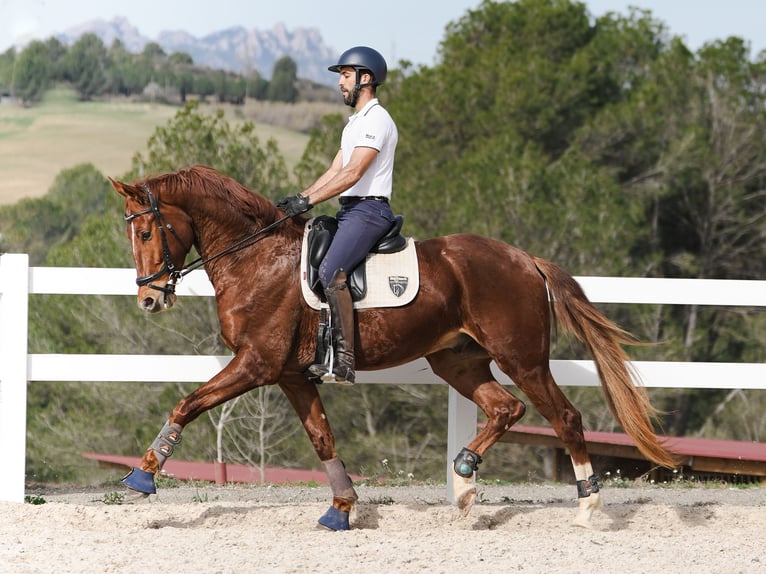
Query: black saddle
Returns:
{"type": "Point", "coordinates": [321, 235]}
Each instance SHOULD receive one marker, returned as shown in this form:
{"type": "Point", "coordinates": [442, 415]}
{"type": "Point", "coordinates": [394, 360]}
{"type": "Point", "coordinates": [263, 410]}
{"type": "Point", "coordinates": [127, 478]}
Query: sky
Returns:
{"type": "Point", "coordinates": [399, 29]}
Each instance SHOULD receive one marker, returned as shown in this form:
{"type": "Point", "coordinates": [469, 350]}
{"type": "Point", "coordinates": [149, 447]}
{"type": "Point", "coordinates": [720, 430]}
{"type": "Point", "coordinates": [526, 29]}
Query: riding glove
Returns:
{"type": "Point", "coordinates": [294, 205]}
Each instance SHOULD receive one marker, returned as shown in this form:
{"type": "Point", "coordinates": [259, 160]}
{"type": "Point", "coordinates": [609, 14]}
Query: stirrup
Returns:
{"type": "Point", "coordinates": [327, 376]}
{"type": "Point", "coordinates": [340, 379]}
{"type": "Point", "coordinates": [327, 372]}
{"type": "Point", "coordinates": [319, 370]}
{"type": "Point", "coordinates": [340, 371]}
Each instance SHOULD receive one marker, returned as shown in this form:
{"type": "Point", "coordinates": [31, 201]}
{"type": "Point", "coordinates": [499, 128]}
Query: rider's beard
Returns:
{"type": "Point", "coordinates": [348, 97]}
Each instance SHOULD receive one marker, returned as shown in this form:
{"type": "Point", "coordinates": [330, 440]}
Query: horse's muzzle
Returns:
{"type": "Point", "coordinates": [154, 298]}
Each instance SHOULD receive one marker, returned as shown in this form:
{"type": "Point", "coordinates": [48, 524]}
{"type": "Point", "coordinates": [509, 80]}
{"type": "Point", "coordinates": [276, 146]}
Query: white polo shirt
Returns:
{"type": "Point", "coordinates": [373, 127]}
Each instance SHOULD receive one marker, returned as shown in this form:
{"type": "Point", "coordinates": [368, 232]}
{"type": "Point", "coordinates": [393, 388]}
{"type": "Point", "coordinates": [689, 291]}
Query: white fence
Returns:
{"type": "Point", "coordinates": [18, 367]}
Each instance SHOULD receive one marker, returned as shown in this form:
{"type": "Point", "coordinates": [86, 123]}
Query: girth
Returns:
{"type": "Point", "coordinates": [320, 237]}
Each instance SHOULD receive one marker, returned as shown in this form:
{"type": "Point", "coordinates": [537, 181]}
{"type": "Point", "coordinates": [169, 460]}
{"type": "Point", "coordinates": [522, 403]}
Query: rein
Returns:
{"type": "Point", "coordinates": [168, 266]}
{"type": "Point", "coordinates": [241, 244]}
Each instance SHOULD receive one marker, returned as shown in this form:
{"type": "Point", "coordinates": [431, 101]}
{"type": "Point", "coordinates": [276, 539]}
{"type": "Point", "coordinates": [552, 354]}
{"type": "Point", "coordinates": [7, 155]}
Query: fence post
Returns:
{"type": "Point", "coordinates": [461, 430]}
{"type": "Point", "coordinates": [14, 299]}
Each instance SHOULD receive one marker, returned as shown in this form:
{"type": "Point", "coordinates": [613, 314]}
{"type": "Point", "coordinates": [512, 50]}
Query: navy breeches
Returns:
{"type": "Point", "coordinates": [360, 225]}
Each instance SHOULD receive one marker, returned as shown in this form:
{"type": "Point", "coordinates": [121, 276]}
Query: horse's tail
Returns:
{"type": "Point", "coordinates": [629, 404]}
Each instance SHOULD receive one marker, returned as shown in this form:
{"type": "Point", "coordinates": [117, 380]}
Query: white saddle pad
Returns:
{"type": "Point", "coordinates": [392, 278]}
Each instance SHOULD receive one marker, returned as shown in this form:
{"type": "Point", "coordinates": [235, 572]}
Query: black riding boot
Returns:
{"type": "Point", "coordinates": [342, 313]}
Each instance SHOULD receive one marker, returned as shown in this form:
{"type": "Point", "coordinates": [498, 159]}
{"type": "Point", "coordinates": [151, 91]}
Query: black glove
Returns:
{"type": "Point", "coordinates": [294, 205]}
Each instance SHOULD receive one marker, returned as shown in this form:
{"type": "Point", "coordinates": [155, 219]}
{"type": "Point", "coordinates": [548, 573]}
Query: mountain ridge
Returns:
{"type": "Point", "coordinates": [237, 49]}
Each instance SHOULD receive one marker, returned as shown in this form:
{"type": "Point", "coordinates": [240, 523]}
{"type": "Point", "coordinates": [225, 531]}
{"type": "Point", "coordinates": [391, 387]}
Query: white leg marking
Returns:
{"type": "Point", "coordinates": [589, 504]}
{"type": "Point", "coordinates": [582, 471]}
{"type": "Point", "coordinates": [464, 491]}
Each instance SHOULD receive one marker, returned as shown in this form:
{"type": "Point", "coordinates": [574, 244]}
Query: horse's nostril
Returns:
{"type": "Point", "coordinates": [147, 303]}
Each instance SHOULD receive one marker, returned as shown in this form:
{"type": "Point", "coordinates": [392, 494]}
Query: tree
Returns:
{"type": "Point", "coordinates": [324, 142]}
{"type": "Point", "coordinates": [153, 53]}
{"type": "Point", "coordinates": [282, 87]}
{"type": "Point", "coordinates": [86, 65]}
{"type": "Point", "coordinates": [7, 70]}
{"type": "Point", "coordinates": [192, 137]}
{"type": "Point", "coordinates": [485, 135]}
{"type": "Point", "coordinates": [182, 65]}
{"type": "Point", "coordinates": [57, 58]}
{"type": "Point", "coordinates": [32, 73]}
{"type": "Point", "coordinates": [257, 426]}
{"type": "Point", "coordinates": [204, 85]}
{"type": "Point", "coordinates": [222, 86]}
{"type": "Point", "coordinates": [257, 86]}
{"type": "Point", "coordinates": [35, 225]}
{"type": "Point", "coordinates": [119, 65]}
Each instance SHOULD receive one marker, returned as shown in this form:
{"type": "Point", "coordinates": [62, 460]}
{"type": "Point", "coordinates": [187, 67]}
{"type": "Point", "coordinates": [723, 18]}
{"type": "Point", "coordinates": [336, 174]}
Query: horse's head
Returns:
{"type": "Point", "coordinates": [161, 236]}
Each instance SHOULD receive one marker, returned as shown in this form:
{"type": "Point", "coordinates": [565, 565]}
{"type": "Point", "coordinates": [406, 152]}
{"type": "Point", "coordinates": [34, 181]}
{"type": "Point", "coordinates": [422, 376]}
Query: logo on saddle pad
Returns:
{"type": "Point", "coordinates": [398, 284]}
{"type": "Point", "coordinates": [389, 279]}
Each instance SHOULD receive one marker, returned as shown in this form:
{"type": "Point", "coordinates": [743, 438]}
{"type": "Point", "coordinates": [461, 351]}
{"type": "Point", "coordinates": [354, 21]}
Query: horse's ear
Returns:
{"type": "Point", "coordinates": [124, 189]}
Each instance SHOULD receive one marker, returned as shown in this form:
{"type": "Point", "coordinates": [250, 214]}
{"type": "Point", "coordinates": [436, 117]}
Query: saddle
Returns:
{"type": "Point", "coordinates": [321, 235]}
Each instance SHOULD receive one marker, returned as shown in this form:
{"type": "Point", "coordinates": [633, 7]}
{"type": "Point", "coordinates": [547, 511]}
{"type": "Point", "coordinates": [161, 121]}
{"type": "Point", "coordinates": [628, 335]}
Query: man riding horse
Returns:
{"type": "Point", "coordinates": [361, 174]}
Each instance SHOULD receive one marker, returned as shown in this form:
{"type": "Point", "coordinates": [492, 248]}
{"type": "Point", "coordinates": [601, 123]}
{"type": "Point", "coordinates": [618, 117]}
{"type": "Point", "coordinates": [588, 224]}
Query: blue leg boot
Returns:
{"type": "Point", "coordinates": [140, 481]}
{"type": "Point", "coordinates": [335, 519]}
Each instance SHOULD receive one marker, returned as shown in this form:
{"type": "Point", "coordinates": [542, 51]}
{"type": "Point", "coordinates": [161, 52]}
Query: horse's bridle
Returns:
{"type": "Point", "coordinates": [168, 266]}
{"type": "Point", "coordinates": [175, 274]}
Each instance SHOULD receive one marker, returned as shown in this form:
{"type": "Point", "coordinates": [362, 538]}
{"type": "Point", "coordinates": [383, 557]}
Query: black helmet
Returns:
{"type": "Point", "coordinates": [363, 58]}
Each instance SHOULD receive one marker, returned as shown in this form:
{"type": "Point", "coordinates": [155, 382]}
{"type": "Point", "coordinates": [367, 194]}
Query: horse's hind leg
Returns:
{"type": "Point", "coordinates": [307, 403]}
{"type": "Point", "coordinates": [468, 372]}
{"type": "Point", "coordinates": [540, 387]}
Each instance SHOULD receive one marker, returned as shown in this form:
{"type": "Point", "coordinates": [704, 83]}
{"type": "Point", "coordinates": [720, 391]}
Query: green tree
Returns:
{"type": "Point", "coordinates": [7, 70]}
{"type": "Point", "coordinates": [120, 62]}
{"type": "Point", "coordinates": [32, 73]}
{"type": "Point", "coordinates": [193, 137]}
{"type": "Point", "coordinates": [203, 85]}
{"type": "Point", "coordinates": [257, 86]}
{"type": "Point", "coordinates": [222, 86]}
{"type": "Point", "coordinates": [324, 143]}
{"type": "Point", "coordinates": [34, 225]}
{"type": "Point", "coordinates": [484, 136]}
{"type": "Point", "coordinates": [153, 53]}
{"type": "Point", "coordinates": [86, 65]}
{"type": "Point", "coordinates": [282, 87]}
{"type": "Point", "coordinates": [57, 59]}
{"type": "Point", "coordinates": [182, 67]}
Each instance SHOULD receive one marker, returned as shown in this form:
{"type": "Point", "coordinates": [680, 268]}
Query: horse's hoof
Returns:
{"type": "Point", "coordinates": [588, 506]}
{"type": "Point", "coordinates": [466, 500]}
{"type": "Point", "coordinates": [140, 481]}
{"type": "Point", "coordinates": [463, 492]}
{"type": "Point", "coordinates": [133, 496]}
{"type": "Point", "coordinates": [334, 519]}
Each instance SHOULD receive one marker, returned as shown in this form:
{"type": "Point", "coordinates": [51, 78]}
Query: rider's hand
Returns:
{"type": "Point", "coordinates": [294, 205]}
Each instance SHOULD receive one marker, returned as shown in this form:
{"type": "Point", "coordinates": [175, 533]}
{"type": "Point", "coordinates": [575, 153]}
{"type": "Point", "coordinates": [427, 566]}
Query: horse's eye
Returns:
{"type": "Point", "coordinates": [146, 235]}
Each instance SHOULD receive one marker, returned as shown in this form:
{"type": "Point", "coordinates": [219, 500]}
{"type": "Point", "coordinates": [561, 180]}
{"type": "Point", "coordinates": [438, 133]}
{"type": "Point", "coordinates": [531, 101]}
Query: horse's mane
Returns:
{"type": "Point", "coordinates": [214, 185]}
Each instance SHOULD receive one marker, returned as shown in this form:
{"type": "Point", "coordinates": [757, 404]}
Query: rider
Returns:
{"type": "Point", "coordinates": [362, 174]}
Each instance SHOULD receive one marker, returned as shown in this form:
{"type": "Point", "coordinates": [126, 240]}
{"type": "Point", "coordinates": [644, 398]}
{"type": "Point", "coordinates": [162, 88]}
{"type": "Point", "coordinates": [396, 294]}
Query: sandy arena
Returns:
{"type": "Point", "coordinates": [244, 529]}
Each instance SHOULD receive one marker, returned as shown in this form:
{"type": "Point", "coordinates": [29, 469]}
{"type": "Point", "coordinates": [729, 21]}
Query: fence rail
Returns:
{"type": "Point", "coordinates": [18, 367]}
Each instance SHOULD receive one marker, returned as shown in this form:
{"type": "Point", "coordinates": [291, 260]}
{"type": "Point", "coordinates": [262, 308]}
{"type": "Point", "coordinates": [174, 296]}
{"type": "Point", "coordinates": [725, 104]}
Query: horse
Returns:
{"type": "Point", "coordinates": [461, 320]}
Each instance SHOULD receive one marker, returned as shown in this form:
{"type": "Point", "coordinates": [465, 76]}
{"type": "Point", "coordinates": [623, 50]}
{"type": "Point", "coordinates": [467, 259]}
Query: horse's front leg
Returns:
{"type": "Point", "coordinates": [304, 397]}
{"type": "Point", "coordinates": [238, 377]}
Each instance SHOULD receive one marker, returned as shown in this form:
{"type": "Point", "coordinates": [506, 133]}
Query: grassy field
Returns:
{"type": "Point", "coordinates": [37, 143]}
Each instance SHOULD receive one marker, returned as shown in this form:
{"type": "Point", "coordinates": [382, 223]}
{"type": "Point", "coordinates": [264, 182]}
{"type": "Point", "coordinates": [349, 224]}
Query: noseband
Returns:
{"type": "Point", "coordinates": [168, 265]}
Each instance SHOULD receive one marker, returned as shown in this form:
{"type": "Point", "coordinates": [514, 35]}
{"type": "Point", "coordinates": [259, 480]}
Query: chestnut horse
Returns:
{"type": "Point", "coordinates": [479, 300]}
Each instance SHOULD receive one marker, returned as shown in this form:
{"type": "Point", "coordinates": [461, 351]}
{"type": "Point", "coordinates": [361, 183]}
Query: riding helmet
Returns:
{"type": "Point", "coordinates": [363, 58]}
